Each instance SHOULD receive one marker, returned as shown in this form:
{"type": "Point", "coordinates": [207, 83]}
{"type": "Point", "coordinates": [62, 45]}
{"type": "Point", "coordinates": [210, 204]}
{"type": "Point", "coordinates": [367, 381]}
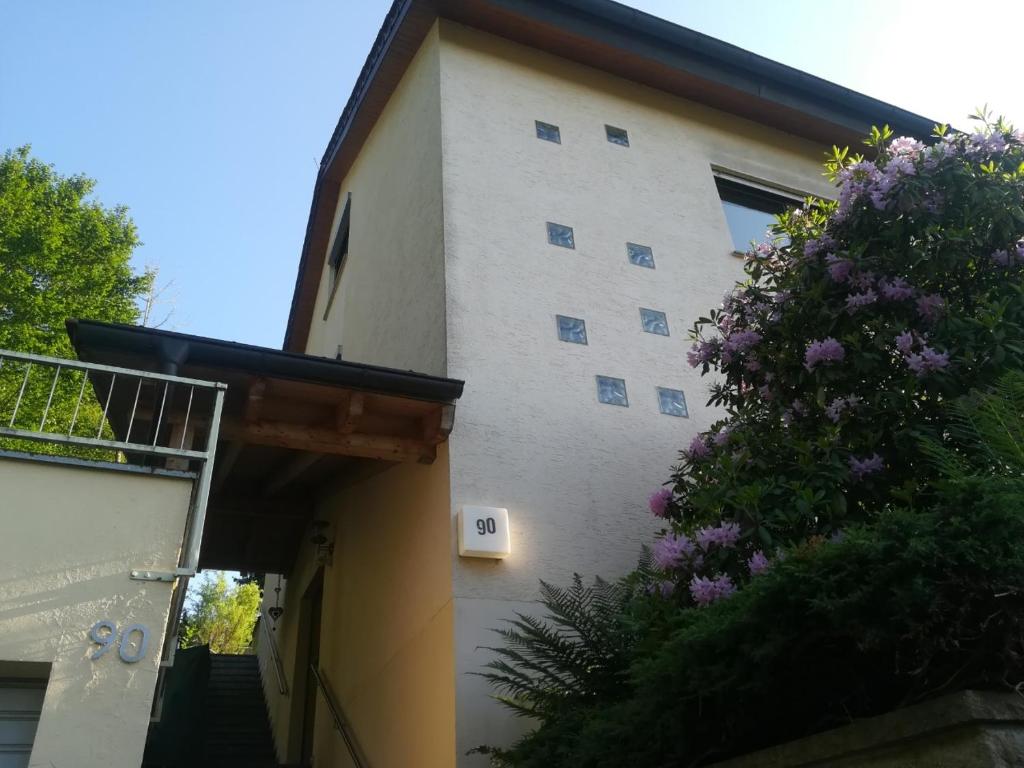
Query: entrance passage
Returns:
{"type": "Point", "coordinates": [21, 702]}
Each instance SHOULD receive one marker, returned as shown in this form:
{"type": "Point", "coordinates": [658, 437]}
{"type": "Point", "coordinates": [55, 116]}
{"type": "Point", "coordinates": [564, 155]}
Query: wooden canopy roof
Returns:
{"type": "Point", "coordinates": [292, 424]}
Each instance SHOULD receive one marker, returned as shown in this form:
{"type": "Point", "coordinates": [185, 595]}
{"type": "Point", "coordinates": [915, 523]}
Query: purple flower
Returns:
{"type": "Point", "coordinates": [905, 145]}
{"type": "Point", "coordinates": [740, 341]}
{"type": "Point", "coordinates": [896, 290]}
{"type": "Point", "coordinates": [721, 437]}
{"type": "Point", "coordinates": [857, 300]}
{"type": "Point", "coordinates": [860, 468]}
{"type": "Point", "coordinates": [836, 407]}
{"type": "Point", "coordinates": [838, 268]}
{"type": "Point", "coordinates": [825, 351]}
{"type": "Point", "coordinates": [702, 352]}
{"type": "Point", "coordinates": [659, 501]}
{"type": "Point", "coordinates": [706, 591]}
{"type": "Point", "coordinates": [758, 563]}
{"type": "Point", "coordinates": [698, 448]}
{"type": "Point", "coordinates": [1009, 258]}
{"type": "Point", "coordinates": [725, 535]}
{"type": "Point", "coordinates": [814, 246]}
{"type": "Point", "coordinates": [905, 342]}
{"type": "Point", "coordinates": [986, 144]}
{"type": "Point", "coordinates": [930, 306]}
{"type": "Point", "coordinates": [927, 361]}
{"type": "Point", "coordinates": [671, 551]}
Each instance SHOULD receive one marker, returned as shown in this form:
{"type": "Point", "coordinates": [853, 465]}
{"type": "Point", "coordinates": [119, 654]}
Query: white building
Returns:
{"type": "Point", "coordinates": [527, 203]}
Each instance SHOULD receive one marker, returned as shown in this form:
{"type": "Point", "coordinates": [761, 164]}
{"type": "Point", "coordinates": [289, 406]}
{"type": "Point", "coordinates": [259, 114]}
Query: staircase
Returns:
{"type": "Point", "coordinates": [237, 727]}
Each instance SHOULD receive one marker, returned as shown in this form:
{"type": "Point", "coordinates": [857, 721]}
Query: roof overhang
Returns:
{"type": "Point", "coordinates": [605, 35]}
{"type": "Point", "coordinates": [292, 427]}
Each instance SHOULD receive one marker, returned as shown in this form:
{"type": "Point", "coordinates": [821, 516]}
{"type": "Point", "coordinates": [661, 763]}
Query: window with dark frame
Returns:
{"type": "Point", "coordinates": [571, 329]}
{"type": "Point", "coordinates": [561, 235]}
{"type": "Point", "coordinates": [749, 211]}
{"type": "Point", "coordinates": [672, 402]}
{"type": "Point", "coordinates": [612, 391]}
{"type": "Point", "coordinates": [653, 321]}
{"type": "Point", "coordinates": [339, 251]}
{"type": "Point", "coordinates": [640, 255]}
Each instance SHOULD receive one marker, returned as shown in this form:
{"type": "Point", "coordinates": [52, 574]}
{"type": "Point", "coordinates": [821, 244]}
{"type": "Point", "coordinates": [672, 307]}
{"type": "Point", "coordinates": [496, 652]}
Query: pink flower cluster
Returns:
{"type": "Point", "coordinates": [1010, 257]}
{"type": "Point", "coordinates": [659, 501]}
{"type": "Point", "coordinates": [725, 535]}
{"type": "Point", "coordinates": [672, 551]}
{"type": "Point", "coordinates": [836, 408]}
{"type": "Point", "coordinates": [926, 360]}
{"type": "Point", "coordinates": [896, 289]}
{"type": "Point", "coordinates": [825, 351]}
{"type": "Point", "coordinates": [838, 268]}
{"type": "Point", "coordinates": [757, 563]}
{"type": "Point", "coordinates": [707, 590]}
{"type": "Point", "coordinates": [861, 468]}
{"type": "Point", "coordinates": [857, 300]}
{"type": "Point", "coordinates": [702, 352]}
{"type": "Point", "coordinates": [698, 448]}
{"type": "Point", "coordinates": [931, 306]}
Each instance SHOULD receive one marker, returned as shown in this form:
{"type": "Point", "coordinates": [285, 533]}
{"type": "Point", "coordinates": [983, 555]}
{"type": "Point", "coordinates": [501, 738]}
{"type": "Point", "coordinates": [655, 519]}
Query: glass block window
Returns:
{"type": "Point", "coordinates": [640, 255]}
{"type": "Point", "coordinates": [548, 132]}
{"type": "Point", "coordinates": [617, 135]}
{"type": "Point", "coordinates": [672, 402]}
{"type": "Point", "coordinates": [654, 321]}
{"type": "Point", "coordinates": [749, 211]}
{"type": "Point", "coordinates": [571, 329]}
{"type": "Point", "coordinates": [612, 391]}
{"type": "Point", "coordinates": [561, 235]}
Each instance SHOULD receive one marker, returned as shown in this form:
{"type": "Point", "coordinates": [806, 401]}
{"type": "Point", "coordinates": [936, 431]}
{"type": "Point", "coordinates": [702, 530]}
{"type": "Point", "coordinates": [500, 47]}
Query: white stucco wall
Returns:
{"type": "Point", "coordinates": [69, 536]}
{"type": "Point", "coordinates": [530, 434]}
{"type": "Point", "coordinates": [389, 305]}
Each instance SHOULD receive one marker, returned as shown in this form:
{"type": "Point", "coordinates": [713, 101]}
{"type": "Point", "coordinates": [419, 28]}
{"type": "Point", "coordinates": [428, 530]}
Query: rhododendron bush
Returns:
{"type": "Point", "coordinates": [860, 318]}
{"type": "Point", "coordinates": [846, 538]}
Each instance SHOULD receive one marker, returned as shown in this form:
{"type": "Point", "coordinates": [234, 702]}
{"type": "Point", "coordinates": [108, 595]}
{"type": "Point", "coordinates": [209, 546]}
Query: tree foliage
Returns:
{"type": "Point", "coordinates": [221, 615]}
{"type": "Point", "coordinates": [62, 255]}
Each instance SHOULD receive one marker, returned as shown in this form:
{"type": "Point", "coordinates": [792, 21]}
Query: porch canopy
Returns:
{"type": "Point", "coordinates": [292, 425]}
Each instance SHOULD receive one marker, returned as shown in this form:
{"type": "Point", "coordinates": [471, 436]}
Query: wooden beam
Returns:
{"type": "Point", "coordinates": [329, 441]}
{"type": "Point", "coordinates": [438, 425]}
{"type": "Point", "coordinates": [292, 470]}
{"type": "Point", "coordinates": [254, 401]}
{"type": "Point", "coordinates": [350, 411]}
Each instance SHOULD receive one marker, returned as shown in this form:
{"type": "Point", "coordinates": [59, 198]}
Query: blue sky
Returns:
{"type": "Point", "coordinates": [208, 119]}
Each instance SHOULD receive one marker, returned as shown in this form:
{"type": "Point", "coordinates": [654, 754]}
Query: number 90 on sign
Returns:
{"type": "Point", "coordinates": [484, 532]}
{"type": "Point", "coordinates": [131, 649]}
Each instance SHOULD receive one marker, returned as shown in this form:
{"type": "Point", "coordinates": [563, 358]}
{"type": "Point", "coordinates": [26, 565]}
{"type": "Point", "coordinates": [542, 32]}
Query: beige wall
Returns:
{"type": "Point", "coordinates": [530, 434]}
{"type": "Point", "coordinates": [70, 536]}
{"type": "Point", "coordinates": [387, 645]}
{"type": "Point", "coordinates": [389, 305]}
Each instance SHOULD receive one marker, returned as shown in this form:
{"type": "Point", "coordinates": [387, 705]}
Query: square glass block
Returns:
{"type": "Point", "coordinates": [672, 402]}
{"type": "Point", "coordinates": [617, 135]}
{"type": "Point", "coordinates": [548, 132]}
{"type": "Point", "coordinates": [654, 321]}
{"type": "Point", "coordinates": [612, 391]}
{"type": "Point", "coordinates": [640, 255]}
{"type": "Point", "coordinates": [571, 329]}
{"type": "Point", "coordinates": [561, 235]}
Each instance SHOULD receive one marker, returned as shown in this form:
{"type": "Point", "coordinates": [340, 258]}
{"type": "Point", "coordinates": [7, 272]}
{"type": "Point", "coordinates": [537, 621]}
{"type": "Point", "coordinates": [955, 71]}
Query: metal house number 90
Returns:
{"type": "Point", "coordinates": [104, 634]}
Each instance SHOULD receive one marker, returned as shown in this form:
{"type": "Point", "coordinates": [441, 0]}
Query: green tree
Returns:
{"type": "Point", "coordinates": [221, 615]}
{"type": "Point", "coordinates": [62, 255]}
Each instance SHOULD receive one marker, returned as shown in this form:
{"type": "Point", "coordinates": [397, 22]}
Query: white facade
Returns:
{"type": "Point", "coordinates": [459, 279]}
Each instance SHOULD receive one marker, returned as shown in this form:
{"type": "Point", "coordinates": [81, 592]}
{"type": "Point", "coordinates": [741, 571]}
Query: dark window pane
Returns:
{"type": "Point", "coordinates": [654, 321]}
{"type": "Point", "coordinates": [611, 391]}
{"type": "Point", "coordinates": [640, 255]}
{"type": "Point", "coordinates": [749, 212]}
{"type": "Point", "coordinates": [561, 235]}
{"type": "Point", "coordinates": [571, 329]}
{"type": "Point", "coordinates": [672, 402]}
{"type": "Point", "coordinates": [617, 135]}
{"type": "Point", "coordinates": [548, 132]}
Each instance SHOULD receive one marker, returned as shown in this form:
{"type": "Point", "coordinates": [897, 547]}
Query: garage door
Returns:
{"type": "Point", "coordinates": [21, 701]}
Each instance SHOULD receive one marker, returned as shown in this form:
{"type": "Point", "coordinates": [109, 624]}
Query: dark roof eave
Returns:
{"type": "Point", "coordinates": [90, 337]}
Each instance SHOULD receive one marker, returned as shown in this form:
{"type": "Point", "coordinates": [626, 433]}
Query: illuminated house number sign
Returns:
{"type": "Point", "coordinates": [483, 532]}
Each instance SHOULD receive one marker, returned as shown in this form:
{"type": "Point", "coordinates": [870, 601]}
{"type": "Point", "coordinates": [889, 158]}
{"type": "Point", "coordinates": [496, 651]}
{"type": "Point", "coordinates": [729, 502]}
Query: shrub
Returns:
{"type": "Point", "coordinates": [916, 603]}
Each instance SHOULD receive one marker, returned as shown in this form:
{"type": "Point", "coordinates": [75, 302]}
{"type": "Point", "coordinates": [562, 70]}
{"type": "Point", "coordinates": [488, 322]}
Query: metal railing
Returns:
{"type": "Point", "coordinates": [340, 724]}
{"type": "Point", "coordinates": [275, 657]}
{"type": "Point", "coordinates": [126, 416]}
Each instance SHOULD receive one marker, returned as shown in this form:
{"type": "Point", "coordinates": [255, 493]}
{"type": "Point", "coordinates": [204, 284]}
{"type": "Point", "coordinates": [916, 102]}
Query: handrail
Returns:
{"type": "Point", "coordinates": [339, 723]}
{"type": "Point", "coordinates": [282, 683]}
